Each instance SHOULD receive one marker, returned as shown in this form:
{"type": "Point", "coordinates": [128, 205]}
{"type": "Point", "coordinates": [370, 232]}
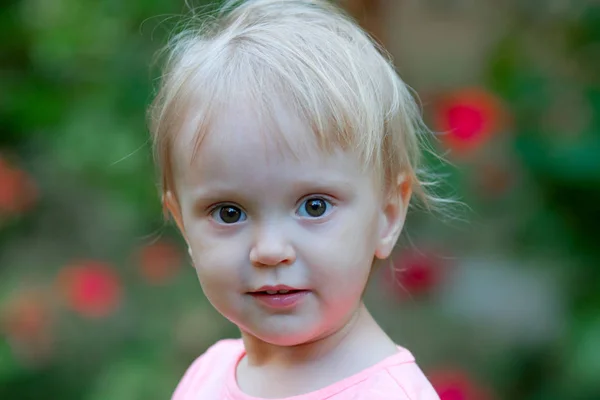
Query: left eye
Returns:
{"type": "Point", "coordinates": [314, 208]}
{"type": "Point", "coordinates": [228, 214]}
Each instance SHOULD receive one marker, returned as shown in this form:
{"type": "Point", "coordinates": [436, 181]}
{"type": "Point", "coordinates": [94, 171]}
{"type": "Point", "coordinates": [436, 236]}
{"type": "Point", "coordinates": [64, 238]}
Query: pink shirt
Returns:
{"type": "Point", "coordinates": [212, 377]}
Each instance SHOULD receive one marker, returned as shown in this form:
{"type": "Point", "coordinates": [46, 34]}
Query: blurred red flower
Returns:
{"type": "Point", "coordinates": [26, 321]}
{"type": "Point", "coordinates": [468, 117]}
{"type": "Point", "coordinates": [25, 315]}
{"type": "Point", "coordinates": [455, 384]}
{"type": "Point", "coordinates": [91, 288]}
{"type": "Point", "coordinates": [413, 273]}
{"type": "Point", "coordinates": [159, 262]}
{"type": "Point", "coordinates": [18, 192]}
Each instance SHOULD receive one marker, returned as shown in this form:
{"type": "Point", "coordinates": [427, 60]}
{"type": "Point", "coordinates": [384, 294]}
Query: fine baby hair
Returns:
{"type": "Point", "coordinates": [306, 54]}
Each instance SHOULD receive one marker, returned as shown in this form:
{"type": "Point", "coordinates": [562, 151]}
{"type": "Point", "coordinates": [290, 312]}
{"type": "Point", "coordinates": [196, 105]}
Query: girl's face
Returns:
{"type": "Point", "coordinates": [255, 214]}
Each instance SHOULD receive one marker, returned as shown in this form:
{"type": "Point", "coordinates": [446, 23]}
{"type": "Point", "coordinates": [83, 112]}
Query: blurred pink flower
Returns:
{"type": "Point", "coordinates": [414, 273]}
{"type": "Point", "coordinates": [467, 118]}
{"type": "Point", "coordinates": [159, 262]}
{"type": "Point", "coordinates": [18, 192]}
{"type": "Point", "coordinates": [91, 288]}
{"type": "Point", "coordinates": [455, 384]}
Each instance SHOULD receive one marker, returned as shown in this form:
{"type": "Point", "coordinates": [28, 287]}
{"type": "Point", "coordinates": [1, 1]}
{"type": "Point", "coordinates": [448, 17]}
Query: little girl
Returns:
{"type": "Point", "coordinates": [288, 148]}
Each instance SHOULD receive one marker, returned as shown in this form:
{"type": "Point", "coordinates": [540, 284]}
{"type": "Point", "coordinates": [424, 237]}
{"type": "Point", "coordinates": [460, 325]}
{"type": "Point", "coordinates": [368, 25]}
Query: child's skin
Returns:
{"type": "Point", "coordinates": [260, 179]}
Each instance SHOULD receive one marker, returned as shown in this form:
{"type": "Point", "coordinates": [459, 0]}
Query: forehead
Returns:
{"type": "Point", "coordinates": [244, 153]}
{"type": "Point", "coordinates": [250, 156]}
{"type": "Point", "coordinates": [239, 132]}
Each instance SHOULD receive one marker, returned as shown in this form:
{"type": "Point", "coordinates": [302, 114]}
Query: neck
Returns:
{"type": "Point", "coordinates": [360, 339]}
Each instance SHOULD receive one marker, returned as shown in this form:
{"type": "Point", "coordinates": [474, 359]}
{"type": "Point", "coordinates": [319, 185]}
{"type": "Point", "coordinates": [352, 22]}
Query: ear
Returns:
{"type": "Point", "coordinates": [172, 205]}
{"type": "Point", "coordinates": [393, 215]}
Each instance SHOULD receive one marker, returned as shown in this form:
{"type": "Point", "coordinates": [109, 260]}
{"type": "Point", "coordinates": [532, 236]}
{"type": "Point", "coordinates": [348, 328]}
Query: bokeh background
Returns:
{"type": "Point", "coordinates": [500, 300]}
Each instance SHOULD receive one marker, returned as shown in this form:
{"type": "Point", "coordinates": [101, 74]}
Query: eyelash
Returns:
{"type": "Point", "coordinates": [330, 204]}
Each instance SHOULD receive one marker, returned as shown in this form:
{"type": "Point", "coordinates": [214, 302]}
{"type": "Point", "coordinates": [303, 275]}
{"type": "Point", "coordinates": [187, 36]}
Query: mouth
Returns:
{"type": "Point", "coordinates": [279, 297]}
{"type": "Point", "coordinates": [279, 289]}
{"type": "Point", "coordinates": [275, 292]}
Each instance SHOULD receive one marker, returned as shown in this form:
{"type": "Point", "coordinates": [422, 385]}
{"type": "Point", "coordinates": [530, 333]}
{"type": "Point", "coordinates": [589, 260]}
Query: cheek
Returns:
{"type": "Point", "coordinates": [215, 261]}
{"type": "Point", "coordinates": [345, 253]}
{"type": "Point", "coordinates": [218, 277]}
{"type": "Point", "coordinates": [358, 235]}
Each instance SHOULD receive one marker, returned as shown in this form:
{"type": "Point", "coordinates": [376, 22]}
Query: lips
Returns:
{"type": "Point", "coordinates": [271, 292]}
{"type": "Point", "coordinates": [278, 289]}
{"type": "Point", "coordinates": [279, 297]}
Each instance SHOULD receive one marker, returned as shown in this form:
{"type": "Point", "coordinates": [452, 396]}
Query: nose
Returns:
{"type": "Point", "coordinates": [271, 248]}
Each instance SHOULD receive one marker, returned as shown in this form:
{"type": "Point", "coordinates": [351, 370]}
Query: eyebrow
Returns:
{"type": "Point", "coordinates": [214, 194]}
{"type": "Point", "coordinates": [323, 185]}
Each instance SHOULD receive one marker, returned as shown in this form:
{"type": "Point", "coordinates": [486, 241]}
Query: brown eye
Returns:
{"type": "Point", "coordinates": [229, 214]}
{"type": "Point", "coordinates": [314, 208]}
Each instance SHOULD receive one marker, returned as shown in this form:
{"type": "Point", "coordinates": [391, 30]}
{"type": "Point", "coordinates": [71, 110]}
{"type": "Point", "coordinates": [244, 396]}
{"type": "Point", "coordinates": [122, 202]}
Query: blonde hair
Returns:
{"type": "Point", "coordinates": [307, 53]}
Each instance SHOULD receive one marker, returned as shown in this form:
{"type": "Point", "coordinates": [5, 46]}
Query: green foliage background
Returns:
{"type": "Point", "coordinates": [75, 83]}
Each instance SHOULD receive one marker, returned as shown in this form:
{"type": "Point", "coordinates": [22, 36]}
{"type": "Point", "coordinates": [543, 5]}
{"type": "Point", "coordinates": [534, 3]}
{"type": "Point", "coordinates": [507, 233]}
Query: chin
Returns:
{"type": "Point", "coordinates": [286, 336]}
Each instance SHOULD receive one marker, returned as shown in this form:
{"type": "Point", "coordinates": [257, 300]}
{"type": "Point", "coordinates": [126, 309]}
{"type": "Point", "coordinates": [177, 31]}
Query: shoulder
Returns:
{"type": "Point", "coordinates": [212, 365]}
{"type": "Point", "coordinates": [399, 378]}
{"type": "Point", "coordinates": [411, 380]}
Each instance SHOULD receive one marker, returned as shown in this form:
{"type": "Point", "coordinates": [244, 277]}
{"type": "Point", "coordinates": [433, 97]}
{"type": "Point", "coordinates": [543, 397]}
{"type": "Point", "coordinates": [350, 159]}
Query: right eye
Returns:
{"type": "Point", "coordinates": [228, 214]}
